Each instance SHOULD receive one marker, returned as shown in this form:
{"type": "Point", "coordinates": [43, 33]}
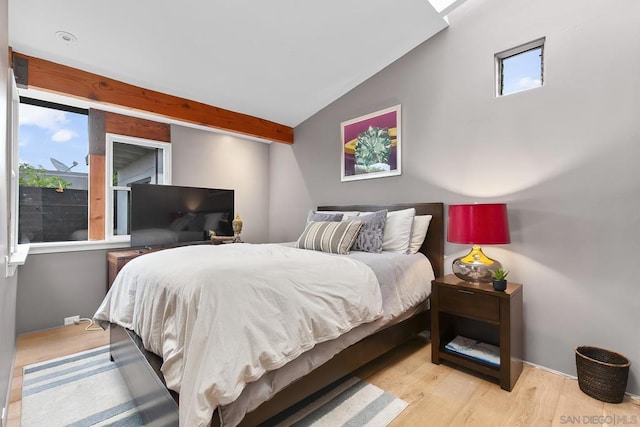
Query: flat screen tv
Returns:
{"type": "Point", "coordinates": [170, 215]}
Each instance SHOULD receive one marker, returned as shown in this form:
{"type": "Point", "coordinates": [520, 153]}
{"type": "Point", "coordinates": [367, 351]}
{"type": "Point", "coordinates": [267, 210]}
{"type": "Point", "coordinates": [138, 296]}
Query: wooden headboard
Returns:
{"type": "Point", "coordinates": [433, 246]}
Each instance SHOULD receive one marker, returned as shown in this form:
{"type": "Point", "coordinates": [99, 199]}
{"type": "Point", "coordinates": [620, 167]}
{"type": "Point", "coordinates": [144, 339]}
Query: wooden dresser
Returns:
{"type": "Point", "coordinates": [117, 259]}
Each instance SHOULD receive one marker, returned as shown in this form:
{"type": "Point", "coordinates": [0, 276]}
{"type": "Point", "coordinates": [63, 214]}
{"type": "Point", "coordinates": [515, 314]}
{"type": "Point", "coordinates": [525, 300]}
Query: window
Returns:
{"type": "Point", "coordinates": [440, 5]}
{"type": "Point", "coordinates": [131, 161]}
{"type": "Point", "coordinates": [70, 188]}
{"type": "Point", "coordinates": [520, 68]}
{"type": "Point", "coordinates": [52, 150]}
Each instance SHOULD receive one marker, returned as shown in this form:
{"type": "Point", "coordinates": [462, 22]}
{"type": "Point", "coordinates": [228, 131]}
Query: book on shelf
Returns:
{"type": "Point", "coordinates": [475, 349]}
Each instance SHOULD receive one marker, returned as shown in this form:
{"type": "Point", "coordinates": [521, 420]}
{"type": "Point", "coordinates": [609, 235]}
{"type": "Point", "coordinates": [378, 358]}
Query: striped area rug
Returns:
{"type": "Point", "coordinates": [352, 403]}
{"type": "Point", "coordinates": [86, 389]}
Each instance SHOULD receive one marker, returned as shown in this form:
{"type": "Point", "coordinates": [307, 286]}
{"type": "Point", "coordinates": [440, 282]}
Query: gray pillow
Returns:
{"type": "Point", "coordinates": [315, 217]}
{"type": "Point", "coordinates": [369, 238]}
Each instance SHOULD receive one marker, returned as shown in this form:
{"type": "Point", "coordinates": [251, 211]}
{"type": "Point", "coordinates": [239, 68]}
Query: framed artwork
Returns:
{"type": "Point", "coordinates": [371, 145]}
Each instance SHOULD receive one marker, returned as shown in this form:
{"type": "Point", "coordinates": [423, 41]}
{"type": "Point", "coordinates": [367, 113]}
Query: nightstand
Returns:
{"type": "Point", "coordinates": [476, 311]}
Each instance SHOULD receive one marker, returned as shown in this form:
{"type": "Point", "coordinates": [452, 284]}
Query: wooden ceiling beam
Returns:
{"type": "Point", "coordinates": [61, 79]}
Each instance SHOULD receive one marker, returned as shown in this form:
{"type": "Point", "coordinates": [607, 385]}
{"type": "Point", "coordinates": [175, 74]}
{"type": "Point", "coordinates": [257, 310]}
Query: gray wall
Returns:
{"type": "Point", "coordinates": [54, 286]}
{"type": "Point", "coordinates": [206, 159]}
{"type": "Point", "coordinates": [563, 157]}
{"type": "Point", "coordinates": [7, 285]}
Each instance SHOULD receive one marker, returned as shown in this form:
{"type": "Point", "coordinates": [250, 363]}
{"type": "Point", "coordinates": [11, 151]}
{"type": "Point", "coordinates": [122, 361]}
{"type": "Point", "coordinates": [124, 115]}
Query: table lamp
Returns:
{"type": "Point", "coordinates": [477, 224]}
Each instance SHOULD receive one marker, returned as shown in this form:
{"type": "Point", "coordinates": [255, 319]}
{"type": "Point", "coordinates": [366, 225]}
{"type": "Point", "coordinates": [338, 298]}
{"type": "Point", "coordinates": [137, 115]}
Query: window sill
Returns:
{"type": "Point", "coordinates": [19, 257]}
{"type": "Point", "coordinates": [92, 245]}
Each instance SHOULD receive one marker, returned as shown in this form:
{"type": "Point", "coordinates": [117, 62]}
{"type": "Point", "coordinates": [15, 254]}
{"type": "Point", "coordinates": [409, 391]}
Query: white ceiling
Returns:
{"type": "Point", "coordinates": [280, 60]}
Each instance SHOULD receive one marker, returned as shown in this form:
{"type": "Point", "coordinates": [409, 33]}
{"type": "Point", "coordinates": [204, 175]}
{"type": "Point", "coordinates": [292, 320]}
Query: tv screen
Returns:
{"type": "Point", "coordinates": [169, 215]}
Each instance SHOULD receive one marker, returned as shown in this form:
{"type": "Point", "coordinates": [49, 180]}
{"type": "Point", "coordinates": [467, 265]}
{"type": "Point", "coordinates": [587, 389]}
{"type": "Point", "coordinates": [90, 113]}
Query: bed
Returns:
{"type": "Point", "coordinates": [290, 382]}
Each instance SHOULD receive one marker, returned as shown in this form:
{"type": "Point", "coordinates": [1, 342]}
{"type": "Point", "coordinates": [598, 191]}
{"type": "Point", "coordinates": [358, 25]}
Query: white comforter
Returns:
{"type": "Point", "coordinates": [222, 316]}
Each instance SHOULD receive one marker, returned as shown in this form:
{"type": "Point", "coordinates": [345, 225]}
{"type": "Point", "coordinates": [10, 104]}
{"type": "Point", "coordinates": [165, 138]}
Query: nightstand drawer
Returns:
{"type": "Point", "coordinates": [467, 302]}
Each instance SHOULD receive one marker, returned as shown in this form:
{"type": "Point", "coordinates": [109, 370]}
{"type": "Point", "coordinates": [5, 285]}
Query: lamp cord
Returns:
{"type": "Point", "coordinates": [90, 326]}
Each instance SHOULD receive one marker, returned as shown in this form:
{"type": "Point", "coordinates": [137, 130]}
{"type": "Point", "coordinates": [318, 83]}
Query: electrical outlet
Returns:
{"type": "Point", "coordinates": [71, 320]}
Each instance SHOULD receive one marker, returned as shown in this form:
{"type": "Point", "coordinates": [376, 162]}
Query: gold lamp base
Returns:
{"type": "Point", "coordinates": [475, 266]}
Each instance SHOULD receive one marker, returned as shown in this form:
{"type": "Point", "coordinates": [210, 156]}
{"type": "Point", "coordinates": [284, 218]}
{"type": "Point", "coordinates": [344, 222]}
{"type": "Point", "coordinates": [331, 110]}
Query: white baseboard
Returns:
{"type": "Point", "coordinates": [635, 399]}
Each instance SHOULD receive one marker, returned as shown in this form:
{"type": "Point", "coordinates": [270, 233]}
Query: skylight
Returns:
{"type": "Point", "coordinates": [440, 5]}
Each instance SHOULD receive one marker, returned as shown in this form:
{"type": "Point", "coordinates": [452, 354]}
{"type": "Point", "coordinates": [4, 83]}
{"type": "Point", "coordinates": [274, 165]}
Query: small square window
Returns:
{"type": "Point", "coordinates": [520, 68]}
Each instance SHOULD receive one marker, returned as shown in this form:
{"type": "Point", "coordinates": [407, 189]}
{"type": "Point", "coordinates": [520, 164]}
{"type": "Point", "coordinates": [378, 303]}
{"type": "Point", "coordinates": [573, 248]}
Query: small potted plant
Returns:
{"type": "Point", "coordinates": [499, 279]}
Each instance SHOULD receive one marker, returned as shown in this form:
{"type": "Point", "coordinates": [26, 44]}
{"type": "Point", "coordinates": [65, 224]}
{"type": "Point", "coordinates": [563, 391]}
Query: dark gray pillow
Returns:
{"type": "Point", "coordinates": [369, 238]}
{"type": "Point", "coordinates": [313, 216]}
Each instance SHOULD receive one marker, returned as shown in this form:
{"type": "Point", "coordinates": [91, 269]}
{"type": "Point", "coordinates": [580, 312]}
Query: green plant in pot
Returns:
{"type": "Point", "coordinates": [499, 279]}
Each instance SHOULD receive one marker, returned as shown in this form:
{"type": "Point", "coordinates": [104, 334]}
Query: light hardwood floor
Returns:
{"type": "Point", "coordinates": [45, 345]}
{"type": "Point", "coordinates": [437, 394]}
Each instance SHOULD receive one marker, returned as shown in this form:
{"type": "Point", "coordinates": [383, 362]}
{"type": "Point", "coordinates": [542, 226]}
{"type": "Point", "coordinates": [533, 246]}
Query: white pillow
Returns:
{"type": "Point", "coordinates": [418, 232]}
{"type": "Point", "coordinates": [345, 214]}
{"type": "Point", "coordinates": [397, 231]}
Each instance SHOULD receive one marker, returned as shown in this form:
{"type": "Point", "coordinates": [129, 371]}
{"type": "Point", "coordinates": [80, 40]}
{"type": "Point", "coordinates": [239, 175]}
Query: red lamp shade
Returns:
{"type": "Point", "coordinates": [479, 224]}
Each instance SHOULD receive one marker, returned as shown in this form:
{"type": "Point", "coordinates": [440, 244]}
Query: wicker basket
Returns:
{"type": "Point", "coordinates": [602, 374]}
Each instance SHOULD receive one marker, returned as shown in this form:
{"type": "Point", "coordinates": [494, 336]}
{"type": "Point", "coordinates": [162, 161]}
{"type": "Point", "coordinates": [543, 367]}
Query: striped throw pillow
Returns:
{"type": "Point", "coordinates": [331, 237]}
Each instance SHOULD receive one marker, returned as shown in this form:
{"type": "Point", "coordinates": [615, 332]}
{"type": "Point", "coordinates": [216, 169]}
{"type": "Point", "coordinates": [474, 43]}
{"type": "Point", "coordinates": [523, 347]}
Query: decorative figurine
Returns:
{"type": "Point", "coordinates": [237, 228]}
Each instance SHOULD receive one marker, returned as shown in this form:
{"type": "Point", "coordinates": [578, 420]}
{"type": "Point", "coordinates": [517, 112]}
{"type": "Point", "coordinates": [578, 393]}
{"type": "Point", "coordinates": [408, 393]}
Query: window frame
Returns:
{"type": "Point", "coordinates": [17, 253]}
{"type": "Point", "coordinates": [14, 127]}
{"type": "Point", "coordinates": [110, 139]}
{"type": "Point", "coordinates": [509, 53]}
